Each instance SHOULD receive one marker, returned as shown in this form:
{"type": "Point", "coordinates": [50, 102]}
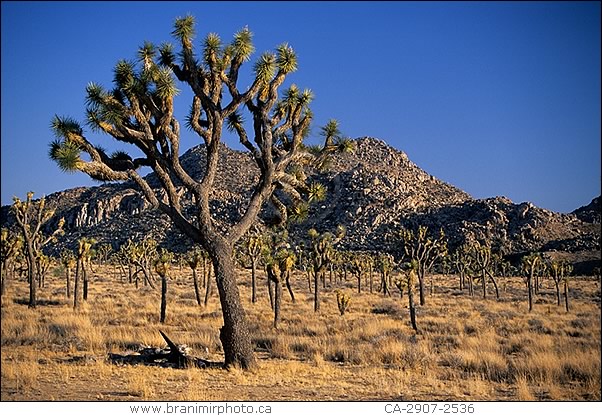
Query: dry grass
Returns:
{"type": "Point", "coordinates": [467, 348]}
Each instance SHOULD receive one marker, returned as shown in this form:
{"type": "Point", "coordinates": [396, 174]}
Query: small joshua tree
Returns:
{"type": "Point", "coordinates": [84, 247]}
{"type": "Point", "coordinates": [43, 263]}
{"type": "Point", "coordinates": [321, 255]}
{"type": "Point", "coordinates": [401, 283]}
{"type": "Point", "coordinates": [529, 269]}
{"type": "Point", "coordinates": [31, 216]}
{"type": "Point", "coordinates": [142, 255]}
{"type": "Point", "coordinates": [193, 259]}
{"type": "Point", "coordinates": [359, 266]}
{"type": "Point", "coordinates": [424, 250]}
{"type": "Point", "coordinates": [482, 264]}
{"type": "Point", "coordinates": [68, 262]}
{"type": "Point", "coordinates": [279, 260]}
{"type": "Point", "coordinates": [408, 281]}
{"type": "Point", "coordinates": [103, 252]}
{"type": "Point", "coordinates": [162, 264]}
{"type": "Point", "coordinates": [10, 246]}
{"type": "Point", "coordinates": [462, 262]}
{"type": "Point", "coordinates": [385, 263]}
{"type": "Point", "coordinates": [343, 301]}
{"type": "Point", "coordinates": [254, 246]}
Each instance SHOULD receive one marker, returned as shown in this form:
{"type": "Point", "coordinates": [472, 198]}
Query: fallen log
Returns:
{"type": "Point", "coordinates": [173, 356]}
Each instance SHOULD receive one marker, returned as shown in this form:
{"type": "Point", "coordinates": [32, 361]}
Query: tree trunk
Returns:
{"type": "Point", "coordinates": [421, 288]}
{"type": "Point", "coordinates": [270, 292]}
{"type": "Point", "coordinates": [370, 283]}
{"type": "Point", "coordinates": [2, 283]}
{"type": "Point", "coordinates": [147, 279]}
{"type": "Point", "coordinates": [483, 284]}
{"type": "Point", "coordinates": [76, 285]}
{"type": "Point", "coordinates": [253, 285]}
{"type": "Point", "coordinates": [557, 283]}
{"type": "Point", "coordinates": [289, 287]}
{"type": "Point", "coordinates": [470, 285]}
{"type": "Point", "coordinates": [31, 275]}
{"type": "Point", "coordinates": [163, 297]}
{"type": "Point", "coordinates": [234, 335]}
{"type": "Point", "coordinates": [359, 284]}
{"type": "Point", "coordinates": [277, 302]}
{"type": "Point", "coordinates": [566, 295]}
{"type": "Point", "coordinates": [385, 284]}
{"type": "Point", "coordinates": [497, 293]}
{"type": "Point", "coordinates": [412, 309]}
{"type": "Point", "coordinates": [432, 285]}
{"type": "Point", "coordinates": [530, 293]}
{"type": "Point", "coordinates": [68, 281]}
{"type": "Point", "coordinates": [85, 281]}
{"type": "Point", "coordinates": [208, 287]}
{"type": "Point", "coordinates": [316, 292]}
{"type": "Point", "coordinates": [197, 292]}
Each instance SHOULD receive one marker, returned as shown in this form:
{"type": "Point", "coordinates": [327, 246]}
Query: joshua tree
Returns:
{"type": "Point", "coordinates": [361, 265]}
{"type": "Point", "coordinates": [68, 262]}
{"type": "Point", "coordinates": [162, 264]}
{"type": "Point", "coordinates": [560, 271]}
{"type": "Point", "coordinates": [278, 267]}
{"type": "Point", "coordinates": [462, 263]}
{"type": "Point", "coordinates": [401, 283]}
{"type": "Point", "coordinates": [43, 263]}
{"type": "Point", "coordinates": [31, 216]}
{"type": "Point", "coordinates": [253, 248]}
{"type": "Point", "coordinates": [321, 255]}
{"type": "Point", "coordinates": [84, 246]}
{"type": "Point", "coordinates": [419, 247]}
{"type": "Point", "coordinates": [89, 254]}
{"type": "Point", "coordinates": [333, 140]}
{"type": "Point", "coordinates": [385, 263]}
{"type": "Point", "coordinates": [408, 281]}
{"type": "Point", "coordinates": [529, 268]}
{"type": "Point", "coordinates": [330, 132]}
{"type": "Point", "coordinates": [193, 259]}
{"type": "Point", "coordinates": [103, 252]}
{"type": "Point", "coordinates": [139, 110]}
{"type": "Point", "coordinates": [343, 301]}
{"type": "Point", "coordinates": [10, 246]}
{"type": "Point", "coordinates": [482, 264]}
{"type": "Point", "coordinates": [142, 255]}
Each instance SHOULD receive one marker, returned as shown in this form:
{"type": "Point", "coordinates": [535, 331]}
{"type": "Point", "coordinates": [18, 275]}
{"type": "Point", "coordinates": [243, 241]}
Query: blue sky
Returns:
{"type": "Point", "coordinates": [494, 98]}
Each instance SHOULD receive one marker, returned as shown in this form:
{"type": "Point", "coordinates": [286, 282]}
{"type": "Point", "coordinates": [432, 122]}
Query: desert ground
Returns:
{"type": "Point", "coordinates": [467, 349]}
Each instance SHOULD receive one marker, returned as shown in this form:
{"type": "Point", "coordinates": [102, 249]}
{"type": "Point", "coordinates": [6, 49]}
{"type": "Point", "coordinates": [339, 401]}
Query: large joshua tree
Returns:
{"type": "Point", "coordinates": [139, 110]}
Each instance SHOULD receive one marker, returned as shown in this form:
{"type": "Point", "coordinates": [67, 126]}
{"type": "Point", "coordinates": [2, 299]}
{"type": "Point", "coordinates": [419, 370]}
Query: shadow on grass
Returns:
{"type": "Point", "coordinates": [40, 302]}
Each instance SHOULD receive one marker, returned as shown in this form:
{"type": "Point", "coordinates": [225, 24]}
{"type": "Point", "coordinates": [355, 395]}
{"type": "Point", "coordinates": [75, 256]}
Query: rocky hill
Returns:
{"type": "Point", "coordinates": [373, 192]}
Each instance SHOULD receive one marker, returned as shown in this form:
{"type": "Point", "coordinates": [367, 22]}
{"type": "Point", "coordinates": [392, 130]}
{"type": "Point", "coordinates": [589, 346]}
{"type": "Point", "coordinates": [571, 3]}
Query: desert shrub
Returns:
{"type": "Point", "coordinates": [389, 307]}
{"type": "Point", "coordinates": [538, 326]}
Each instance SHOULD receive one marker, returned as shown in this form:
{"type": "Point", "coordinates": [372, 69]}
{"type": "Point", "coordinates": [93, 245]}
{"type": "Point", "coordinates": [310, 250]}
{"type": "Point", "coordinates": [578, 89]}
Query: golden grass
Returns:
{"type": "Point", "coordinates": [467, 348]}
